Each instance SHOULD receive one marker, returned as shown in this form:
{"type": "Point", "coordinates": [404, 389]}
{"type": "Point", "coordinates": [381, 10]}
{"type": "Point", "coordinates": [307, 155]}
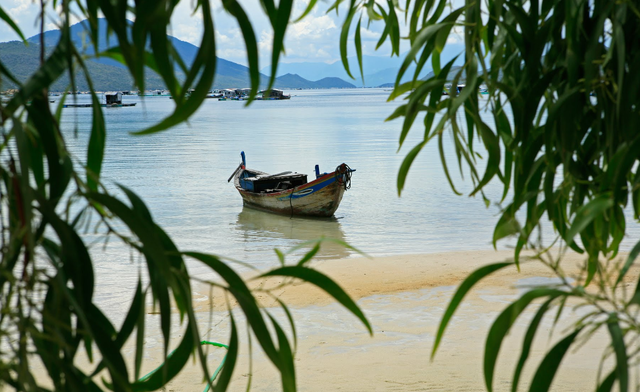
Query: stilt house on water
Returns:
{"type": "Point", "coordinates": [114, 99]}
{"type": "Point", "coordinates": [274, 94]}
{"type": "Point", "coordinates": [111, 100]}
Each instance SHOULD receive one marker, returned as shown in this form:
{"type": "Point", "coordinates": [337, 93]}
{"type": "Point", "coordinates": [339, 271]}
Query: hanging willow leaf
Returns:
{"type": "Point", "coordinates": [250, 41]}
{"type": "Point", "coordinates": [230, 359]}
{"type": "Point", "coordinates": [586, 214]}
{"type": "Point", "coordinates": [549, 366]}
{"type": "Point", "coordinates": [620, 348]}
{"type": "Point", "coordinates": [528, 340]}
{"type": "Point", "coordinates": [11, 23]}
{"type": "Point", "coordinates": [247, 302]}
{"type": "Point", "coordinates": [358, 41]}
{"type": "Point", "coordinates": [344, 35]}
{"type": "Point", "coordinates": [464, 288]}
{"type": "Point", "coordinates": [322, 282]}
{"type": "Point", "coordinates": [501, 326]}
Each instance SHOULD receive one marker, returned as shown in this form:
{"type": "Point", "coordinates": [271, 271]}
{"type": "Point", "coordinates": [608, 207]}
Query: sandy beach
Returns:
{"type": "Point", "coordinates": [404, 298]}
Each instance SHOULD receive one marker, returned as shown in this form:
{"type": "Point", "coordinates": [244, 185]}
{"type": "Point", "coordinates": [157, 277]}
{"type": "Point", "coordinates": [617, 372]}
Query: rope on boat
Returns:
{"type": "Point", "coordinates": [343, 173]}
{"type": "Point", "coordinates": [213, 377]}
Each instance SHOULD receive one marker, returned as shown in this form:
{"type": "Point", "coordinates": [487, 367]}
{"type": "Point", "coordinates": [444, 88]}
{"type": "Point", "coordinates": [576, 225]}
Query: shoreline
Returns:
{"type": "Point", "coordinates": [404, 298]}
{"type": "Point", "coordinates": [362, 277]}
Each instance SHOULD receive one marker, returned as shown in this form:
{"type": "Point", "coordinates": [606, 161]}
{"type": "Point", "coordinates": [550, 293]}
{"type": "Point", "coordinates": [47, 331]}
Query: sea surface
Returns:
{"type": "Point", "coordinates": [182, 175]}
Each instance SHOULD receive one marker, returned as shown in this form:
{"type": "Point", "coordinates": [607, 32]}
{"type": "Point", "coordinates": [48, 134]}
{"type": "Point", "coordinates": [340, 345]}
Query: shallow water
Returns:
{"type": "Point", "coordinates": [182, 175]}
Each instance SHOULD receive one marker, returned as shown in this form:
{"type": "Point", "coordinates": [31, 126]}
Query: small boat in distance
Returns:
{"type": "Point", "coordinates": [289, 193]}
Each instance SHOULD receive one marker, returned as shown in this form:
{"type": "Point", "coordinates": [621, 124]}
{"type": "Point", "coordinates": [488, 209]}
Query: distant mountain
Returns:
{"type": "Point", "coordinates": [453, 72]}
{"type": "Point", "coordinates": [295, 81]}
{"type": "Point", "coordinates": [377, 70]}
{"type": "Point", "coordinates": [332, 83]}
{"type": "Point", "coordinates": [23, 60]}
{"type": "Point", "coordinates": [316, 71]}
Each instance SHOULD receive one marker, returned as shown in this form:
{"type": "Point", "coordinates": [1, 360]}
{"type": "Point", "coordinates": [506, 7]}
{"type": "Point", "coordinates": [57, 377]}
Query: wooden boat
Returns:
{"type": "Point", "coordinates": [289, 193]}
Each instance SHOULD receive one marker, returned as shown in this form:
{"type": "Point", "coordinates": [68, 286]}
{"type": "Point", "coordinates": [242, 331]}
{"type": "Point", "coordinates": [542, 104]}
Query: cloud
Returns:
{"type": "Point", "coordinates": [315, 38]}
{"type": "Point", "coordinates": [456, 36]}
{"type": "Point", "coordinates": [20, 8]}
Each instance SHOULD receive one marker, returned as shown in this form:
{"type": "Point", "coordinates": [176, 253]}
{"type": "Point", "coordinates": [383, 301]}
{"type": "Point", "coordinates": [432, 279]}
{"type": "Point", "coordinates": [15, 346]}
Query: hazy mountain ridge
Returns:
{"type": "Point", "coordinates": [291, 81]}
{"type": "Point", "coordinates": [378, 70]}
{"type": "Point", "coordinates": [107, 74]}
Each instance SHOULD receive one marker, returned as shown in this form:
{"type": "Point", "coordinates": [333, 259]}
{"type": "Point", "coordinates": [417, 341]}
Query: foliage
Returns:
{"type": "Point", "coordinates": [569, 152]}
{"type": "Point", "coordinates": [566, 71]}
{"type": "Point", "coordinates": [46, 271]}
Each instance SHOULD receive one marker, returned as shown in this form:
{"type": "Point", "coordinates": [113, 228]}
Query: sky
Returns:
{"type": "Point", "coordinates": [314, 39]}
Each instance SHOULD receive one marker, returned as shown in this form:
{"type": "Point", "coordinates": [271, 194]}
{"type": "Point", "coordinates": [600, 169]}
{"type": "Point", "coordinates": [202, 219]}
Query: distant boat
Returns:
{"type": "Point", "coordinates": [289, 193]}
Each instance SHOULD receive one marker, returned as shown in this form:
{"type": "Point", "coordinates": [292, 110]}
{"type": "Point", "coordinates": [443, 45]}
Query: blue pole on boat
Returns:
{"type": "Point", "coordinates": [244, 161]}
{"type": "Point", "coordinates": [317, 171]}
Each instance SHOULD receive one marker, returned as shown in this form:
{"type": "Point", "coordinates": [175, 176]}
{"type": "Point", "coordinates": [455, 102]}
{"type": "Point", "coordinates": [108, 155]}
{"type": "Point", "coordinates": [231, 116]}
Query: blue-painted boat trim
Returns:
{"type": "Point", "coordinates": [309, 190]}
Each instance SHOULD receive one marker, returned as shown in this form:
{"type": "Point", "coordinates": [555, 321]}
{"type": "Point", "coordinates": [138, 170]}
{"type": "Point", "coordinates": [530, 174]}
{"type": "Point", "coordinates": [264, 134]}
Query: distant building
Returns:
{"type": "Point", "coordinates": [113, 98]}
{"type": "Point", "coordinates": [274, 94]}
{"type": "Point", "coordinates": [229, 92]}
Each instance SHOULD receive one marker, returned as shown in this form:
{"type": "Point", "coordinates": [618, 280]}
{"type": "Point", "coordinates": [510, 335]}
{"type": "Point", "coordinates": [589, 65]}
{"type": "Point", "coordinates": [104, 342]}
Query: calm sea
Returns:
{"type": "Point", "coordinates": [182, 175]}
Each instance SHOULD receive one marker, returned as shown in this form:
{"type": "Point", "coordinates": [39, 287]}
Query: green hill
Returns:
{"type": "Point", "coordinates": [23, 59]}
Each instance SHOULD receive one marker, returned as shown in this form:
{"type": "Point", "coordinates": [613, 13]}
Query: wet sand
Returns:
{"type": "Point", "coordinates": [403, 298]}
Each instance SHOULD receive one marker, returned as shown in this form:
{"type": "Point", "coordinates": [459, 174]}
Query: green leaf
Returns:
{"type": "Point", "coordinates": [507, 226]}
{"type": "Point", "coordinates": [280, 255]}
{"type": "Point", "coordinates": [279, 22]}
{"type": "Point", "coordinates": [344, 35]}
{"type": "Point", "coordinates": [139, 339]}
{"type": "Point", "coordinates": [406, 165]}
{"type": "Point", "coordinates": [238, 288]}
{"type": "Point", "coordinates": [95, 151]}
{"type": "Point", "coordinates": [464, 288]}
{"type": "Point", "coordinates": [586, 214]}
{"type": "Point", "coordinates": [549, 366]}
{"type": "Point", "coordinates": [607, 383]}
{"type": "Point", "coordinates": [620, 349]}
{"type": "Point", "coordinates": [288, 375]}
{"type": "Point", "coordinates": [502, 325]}
{"type": "Point", "coordinates": [310, 7]}
{"type": "Point", "coordinates": [230, 359]}
{"type": "Point", "coordinates": [309, 255]}
{"type": "Point", "coordinates": [358, 42]}
{"type": "Point", "coordinates": [292, 324]}
{"type": "Point", "coordinates": [171, 367]}
{"type": "Point", "coordinates": [325, 283]}
{"type": "Point", "coordinates": [235, 9]}
{"type": "Point", "coordinates": [528, 340]}
{"type": "Point", "coordinates": [129, 323]}
{"type": "Point", "coordinates": [11, 23]}
{"type": "Point", "coordinates": [630, 259]}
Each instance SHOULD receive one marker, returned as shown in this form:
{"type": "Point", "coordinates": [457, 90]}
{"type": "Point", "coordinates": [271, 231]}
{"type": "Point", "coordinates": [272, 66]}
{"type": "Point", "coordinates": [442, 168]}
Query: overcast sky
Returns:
{"type": "Point", "coordinates": [315, 38]}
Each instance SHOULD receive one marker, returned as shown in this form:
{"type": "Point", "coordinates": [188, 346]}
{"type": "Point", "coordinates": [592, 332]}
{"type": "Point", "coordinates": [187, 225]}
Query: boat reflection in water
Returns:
{"type": "Point", "coordinates": [263, 229]}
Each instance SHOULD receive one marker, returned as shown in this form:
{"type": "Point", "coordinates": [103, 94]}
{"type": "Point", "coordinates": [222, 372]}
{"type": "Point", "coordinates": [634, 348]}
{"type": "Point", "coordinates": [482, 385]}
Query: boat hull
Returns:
{"type": "Point", "coordinates": [321, 198]}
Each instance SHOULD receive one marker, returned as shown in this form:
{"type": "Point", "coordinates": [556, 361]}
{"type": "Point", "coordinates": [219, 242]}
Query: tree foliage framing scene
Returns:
{"type": "Point", "coordinates": [557, 128]}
